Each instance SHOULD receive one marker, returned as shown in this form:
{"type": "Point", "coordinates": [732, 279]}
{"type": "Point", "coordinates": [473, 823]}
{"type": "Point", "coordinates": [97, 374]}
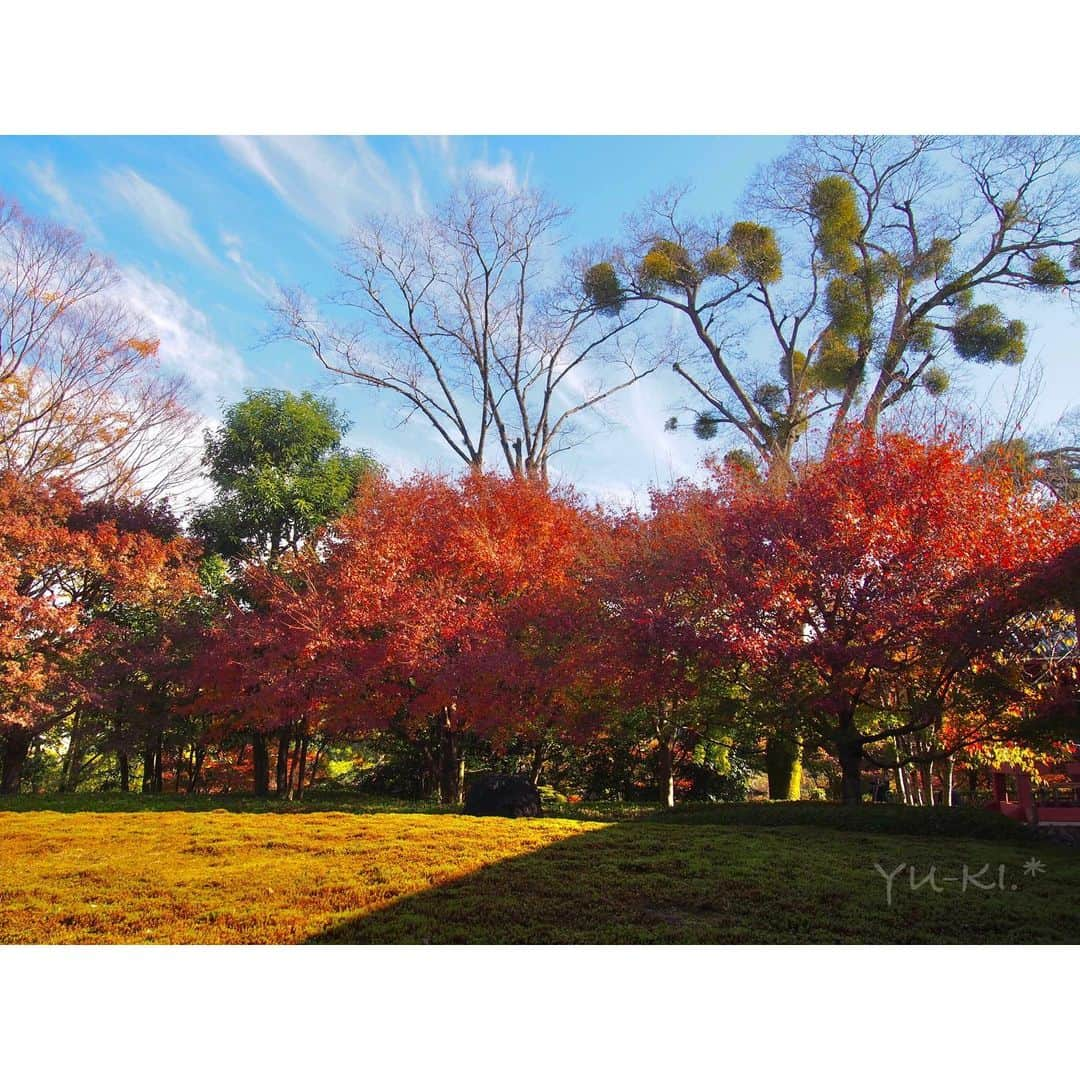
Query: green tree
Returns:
{"type": "Point", "coordinates": [279, 472]}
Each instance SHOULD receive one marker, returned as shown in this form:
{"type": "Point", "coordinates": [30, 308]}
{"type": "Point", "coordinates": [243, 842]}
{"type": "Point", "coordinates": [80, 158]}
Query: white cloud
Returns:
{"type": "Point", "coordinates": [416, 190]}
{"type": "Point", "coordinates": [168, 222]}
{"type": "Point", "coordinates": [334, 182]}
{"type": "Point", "coordinates": [504, 173]}
{"type": "Point", "coordinates": [67, 210]}
{"type": "Point", "coordinates": [189, 345]}
{"type": "Point", "coordinates": [329, 182]}
{"type": "Point", "coordinates": [440, 152]}
{"type": "Point", "coordinates": [254, 278]}
{"type": "Point", "coordinates": [246, 150]}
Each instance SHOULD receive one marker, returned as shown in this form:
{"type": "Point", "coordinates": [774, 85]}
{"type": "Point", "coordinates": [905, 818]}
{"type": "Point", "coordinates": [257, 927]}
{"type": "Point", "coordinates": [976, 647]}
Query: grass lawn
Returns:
{"type": "Point", "coordinates": [105, 869]}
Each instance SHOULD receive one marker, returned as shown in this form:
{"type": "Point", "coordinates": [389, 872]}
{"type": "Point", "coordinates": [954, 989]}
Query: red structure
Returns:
{"type": "Point", "coordinates": [1053, 800]}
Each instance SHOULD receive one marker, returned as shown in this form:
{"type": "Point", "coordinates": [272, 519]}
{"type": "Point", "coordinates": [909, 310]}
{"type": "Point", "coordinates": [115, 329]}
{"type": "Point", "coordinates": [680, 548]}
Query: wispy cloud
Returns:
{"type": "Point", "coordinates": [439, 152]}
{"type": "Point", "coordinates": [254, 278]}
{"type": "Point", "coordinates": [334, 183]}
{"type": "Point", "coordinates": [168, 222]}
{"type": "Point", "coordinates": [502, 173]}
{"type": "Point", "coordinates": [67, 210]}
{"type": "Point", "coordinates": [189, 345]}
{"type": "Point", "coordinates": [328, 182]}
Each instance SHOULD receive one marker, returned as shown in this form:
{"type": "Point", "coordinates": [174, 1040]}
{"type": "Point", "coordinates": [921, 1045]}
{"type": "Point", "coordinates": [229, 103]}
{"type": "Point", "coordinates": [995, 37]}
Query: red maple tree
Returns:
{"type": "Point", "coordinates": [431, 603]}
{"type": "Point", "coordinates": [876, 584]}
{"type": "Point", "coordinates": [62, 570]}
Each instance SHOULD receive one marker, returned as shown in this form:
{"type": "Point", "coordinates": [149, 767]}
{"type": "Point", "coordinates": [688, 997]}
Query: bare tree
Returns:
{"type": "Point", "coordinates": [82, 395]}
{"type": "Point", "coordinates": [867, 272]}
{"type": "Point", "coordinates": [461, 316]}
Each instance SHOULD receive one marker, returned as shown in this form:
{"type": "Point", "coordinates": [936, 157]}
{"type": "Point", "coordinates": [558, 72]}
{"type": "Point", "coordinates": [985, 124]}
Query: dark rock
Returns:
{"type": "Point", "coordinates": [502, 796]}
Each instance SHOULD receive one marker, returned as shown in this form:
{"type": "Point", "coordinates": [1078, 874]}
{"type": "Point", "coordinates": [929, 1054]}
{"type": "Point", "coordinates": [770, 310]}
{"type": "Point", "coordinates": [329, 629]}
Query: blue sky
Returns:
{"type": "Point", "coordinates": [202, 228]}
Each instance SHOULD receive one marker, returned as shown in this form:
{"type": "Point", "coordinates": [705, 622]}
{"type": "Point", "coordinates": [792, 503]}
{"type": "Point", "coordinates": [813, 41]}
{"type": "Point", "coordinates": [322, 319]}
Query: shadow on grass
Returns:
{"type": "Point", "coordinates": [650, 883]}
{"type": "Point", "coordinates": [865, 818]}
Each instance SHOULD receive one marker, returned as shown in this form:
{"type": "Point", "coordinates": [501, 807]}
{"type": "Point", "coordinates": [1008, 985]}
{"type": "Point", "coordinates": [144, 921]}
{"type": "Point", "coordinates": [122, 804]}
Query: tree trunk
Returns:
{"type": "Point", "coordinates": [666, 772]}
{"type": "Point", "coordinates": [901, 786]}
{"type": "Point", "coordinates": [281, 776]}
{"type": "Point", "coordinates": [261, 759]}
{"type": "Point", "coordinates": [148, 769]}
{"type": "Point", "coordinates": [849, 754]}
{"type": "Point", "coordinates": [783, 763]}
{"type": "Point", "coordinates": [294, 762]}
{"type": "Point", "coordinates": [37, 750]}
{"type": "Point", "coordinates": [920, 785]}
{"type": "Point", "coordinates": [928, 782]}
{"type": "Point", "coordinates": [302, 770]}
{"type": "Point", "coordinates": [16, 750]}
{"type": "Point", "coordinates": [199, 753]}
{"type": "Point", "coordinates": [429, 777]}
{"type": "Point", "coordinates": [72, 766]}
{"type": "Point", "coordinates": [536, 768]}
{"type": "Point", "coordinates": [125, 770]}
{"type": "Point", "coordinates": [315, 763]}
{"type": "Point", "coordinates": [451, 764]}
{"type": "Point", "coordinates": [950, 769]}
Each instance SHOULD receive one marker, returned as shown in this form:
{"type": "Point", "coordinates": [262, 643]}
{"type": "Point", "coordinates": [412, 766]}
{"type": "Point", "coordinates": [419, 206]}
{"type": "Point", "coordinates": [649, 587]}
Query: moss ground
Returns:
{"type": "Point", "coordinates": [124, 869]}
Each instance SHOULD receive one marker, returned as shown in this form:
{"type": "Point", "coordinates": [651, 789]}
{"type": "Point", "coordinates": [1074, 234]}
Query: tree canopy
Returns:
{"type": "Point", "coordinates": [279, 472]}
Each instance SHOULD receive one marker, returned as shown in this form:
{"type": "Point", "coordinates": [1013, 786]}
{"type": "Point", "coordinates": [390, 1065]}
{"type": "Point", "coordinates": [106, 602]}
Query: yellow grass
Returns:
{"type": "Point", "coordinates": [221, 877]}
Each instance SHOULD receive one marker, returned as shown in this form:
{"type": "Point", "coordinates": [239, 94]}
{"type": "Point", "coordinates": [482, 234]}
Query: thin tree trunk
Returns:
{"type": "Point", "coordinates": [148, 769]}
{"type": "Point", "coordinates": [901, 787]}
{"type": "Point", "coordinates": [666, 771]}
{"type": "Point", "coordinates": [950, 768]}
{"type": "Point", "coordinates": [451, 763]}
{"type": "Point", "coordinates": [665, 737]}
{"type": "Point", "coordinates": [302, 770]}
{"type": "Point", "coordinates": [928, 782]}
{"type": "Point", "coordinates": [315, 764]}
{"type": "Point", "coordinates": [294, 760]}
{"type": "Point", "coordinates": [72, 766]}
{"type": "Point", "coordinates": [281, 777]}
{"type": "Point", "coordinates": [125, 771]}
{"type": "Point", "coordinates": [916, 779]}
{"type": "Point", "coordinates": [536, 768]}
{"type": "Point", "coordinates": [196, 768]}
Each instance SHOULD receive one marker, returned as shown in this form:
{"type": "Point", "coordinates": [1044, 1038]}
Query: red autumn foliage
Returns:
{"type": "Point", "coordinates": [430, 596]}
{"type": "Point", "coordinates": [878, 581]}
{"type": "Point", "coordinates": [60, 572]}
{"type": "Point", "coordinates": [889, 602]}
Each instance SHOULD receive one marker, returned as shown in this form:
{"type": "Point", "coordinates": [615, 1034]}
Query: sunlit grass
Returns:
{"type": "Point", "coordinates": [228, 877]}
{"type": "Point", "coordinates": [771, 874]}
